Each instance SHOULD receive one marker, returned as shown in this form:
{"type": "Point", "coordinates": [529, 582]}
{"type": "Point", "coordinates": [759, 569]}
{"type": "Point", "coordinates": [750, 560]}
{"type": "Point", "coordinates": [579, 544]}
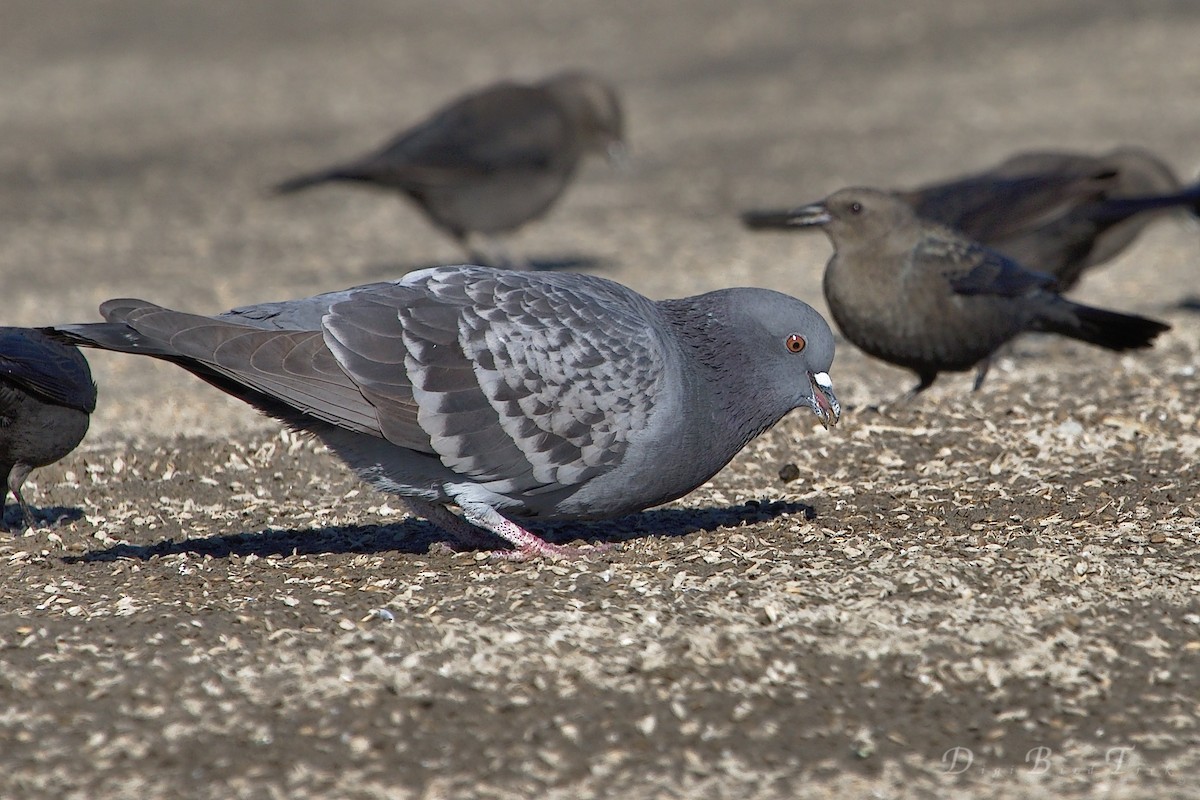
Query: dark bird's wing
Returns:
{"type": "Point", "coordinates": [991, 208]}
{"type": "Point", "coordinates": [531, 382]}
{"type": "Point", "coordinates": [978, 270]}
{"type": "Point", "coordinates": [505, 128]}
{"type": "Point", "coordinates": [54, 371]}
{"type": "Point", "coordinates": [1116, 209]}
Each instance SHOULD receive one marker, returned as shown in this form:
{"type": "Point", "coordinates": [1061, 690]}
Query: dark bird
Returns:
{"type": "Point", "coordinates": [492, 160]}
{"type": "Point", "coordinates": [1059, 213]}
{"type": "Point", "coordinates": [46, 398]}
{"type": "Point", "coordinates": [508, 394]}
{"type": "Point", "coordinates": [923, 296]}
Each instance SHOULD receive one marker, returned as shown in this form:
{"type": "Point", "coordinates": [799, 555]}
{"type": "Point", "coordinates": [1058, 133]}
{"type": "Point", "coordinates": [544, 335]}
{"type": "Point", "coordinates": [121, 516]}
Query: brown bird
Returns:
{"type": "Point", "coordinates": [46, 397]}
{"type": "Point", "coordinates": [494, 159]}
{"type": "Point", "coordinates": [925, 297]}
{"type": "Point", "coordinates": [1060, 213]}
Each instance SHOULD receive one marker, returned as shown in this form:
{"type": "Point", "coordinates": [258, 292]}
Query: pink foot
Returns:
{"type": "Point", "coordinates": [526, 545]}
{"type": "Point", "coordinates": [544, 549]}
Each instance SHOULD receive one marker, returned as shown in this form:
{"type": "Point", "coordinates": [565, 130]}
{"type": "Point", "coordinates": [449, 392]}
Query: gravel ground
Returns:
{"type": "Point", "coordinates": [990, 594]}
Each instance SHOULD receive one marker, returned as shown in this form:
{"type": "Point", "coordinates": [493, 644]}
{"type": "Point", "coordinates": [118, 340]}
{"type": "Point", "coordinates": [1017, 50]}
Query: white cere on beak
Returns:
{"type": "Point", "coordinates": [823, 401]}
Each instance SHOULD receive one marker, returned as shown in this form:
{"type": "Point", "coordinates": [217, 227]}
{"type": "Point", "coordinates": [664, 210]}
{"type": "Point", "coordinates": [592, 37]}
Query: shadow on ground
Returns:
{"type": "Point", "coordinates": [417, 536]}
{"type": "Point", "coordinates": [47, 516]}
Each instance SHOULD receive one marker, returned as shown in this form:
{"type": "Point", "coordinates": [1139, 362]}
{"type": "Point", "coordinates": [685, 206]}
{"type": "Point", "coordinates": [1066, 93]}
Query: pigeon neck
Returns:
{"type": "Point", "coordinates": [704, 331]}
{"type": "Point", "coordinates": [708, 334]}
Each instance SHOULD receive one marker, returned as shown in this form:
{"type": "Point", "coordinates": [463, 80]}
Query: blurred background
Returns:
{"type": "Point", "coordinates": [139, 140]}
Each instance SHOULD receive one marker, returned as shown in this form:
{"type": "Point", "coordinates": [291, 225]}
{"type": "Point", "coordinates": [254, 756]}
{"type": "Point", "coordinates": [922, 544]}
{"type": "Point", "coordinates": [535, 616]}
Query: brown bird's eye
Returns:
{"type": "Point", "coordinates": [795, 343]}
{"type": "Point", "coordinates": [856, 208]}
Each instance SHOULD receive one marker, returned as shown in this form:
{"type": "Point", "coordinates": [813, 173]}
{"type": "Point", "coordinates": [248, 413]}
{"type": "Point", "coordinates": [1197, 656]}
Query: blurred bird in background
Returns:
{"type": "Point", "coordinates": [492, 160]}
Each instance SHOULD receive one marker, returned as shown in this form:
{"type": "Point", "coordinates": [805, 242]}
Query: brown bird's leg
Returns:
{"type": "Point", "coordinates": [468, 532]}
{"type": "Point", "coordinates": [16, 478]}
{"type": "Point", "coordinates": [4, 468]}
{"type": "Point", "coordinates": [473, 256]}
{"type": "Point", "coordinates": [981, 372]}
{"type": "Point", "coordinates": [491, 254]}
{"type": "Point", "coordinates": [927, 379]}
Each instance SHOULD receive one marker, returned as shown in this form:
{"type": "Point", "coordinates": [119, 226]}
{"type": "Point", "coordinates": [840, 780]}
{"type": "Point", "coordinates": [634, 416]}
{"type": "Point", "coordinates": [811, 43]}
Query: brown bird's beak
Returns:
{"type": "Point", "coordinates": [823, 401]}
{"type": "Point", "coordinates": [808, 216]}
{"type": "Point", "coordinates": [767, 219]}
{"type": "Point", "coordinates": [777, 219]}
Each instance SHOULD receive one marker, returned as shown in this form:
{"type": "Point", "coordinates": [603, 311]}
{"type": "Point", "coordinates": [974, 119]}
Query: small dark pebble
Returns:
{"type": "Point", "coordinates": [789, 473]}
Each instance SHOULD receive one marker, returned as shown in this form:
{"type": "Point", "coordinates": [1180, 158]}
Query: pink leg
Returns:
{"type": "Point", "coordinates": [528, 544]}
{"type": "Point", "coordinates": [479, 516]}
{"type": "Point", "coordinates": [463, 532]}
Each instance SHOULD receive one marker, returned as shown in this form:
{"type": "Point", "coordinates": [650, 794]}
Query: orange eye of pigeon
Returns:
{"type": "Point", "coordinates": [795, 343]}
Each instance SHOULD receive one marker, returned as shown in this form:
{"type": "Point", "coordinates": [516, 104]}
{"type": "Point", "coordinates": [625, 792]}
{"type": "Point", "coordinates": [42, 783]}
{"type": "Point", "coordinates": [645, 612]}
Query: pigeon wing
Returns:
{"type": "Point", "coordinates": [295, 315]}
{"type": "Point", "coordinates": [527, 383]}
{"type": "Point", "coordinates": [279, 367]}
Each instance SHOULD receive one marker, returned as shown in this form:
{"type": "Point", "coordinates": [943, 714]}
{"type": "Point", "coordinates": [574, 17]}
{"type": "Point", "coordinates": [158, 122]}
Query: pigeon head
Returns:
{"type": "Point", "coordinates": [795, 346]}
{"type": "Point", "coordinates": [594, 109]}
{"type": "Point", "coordinates": [775, 344]}
{"type": "Point", "coordinates": [855, 215]}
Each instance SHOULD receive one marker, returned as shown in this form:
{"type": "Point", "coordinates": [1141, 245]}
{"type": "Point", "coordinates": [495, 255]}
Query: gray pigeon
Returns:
{"type": "Point", "coordinates": [1060, 213]}
{"type": "Point", "coordinates": [508, 394]}
{"type": "Point", "coordinates": [492, 160]}
{"type": "Point", "coordinates": [46, 398]}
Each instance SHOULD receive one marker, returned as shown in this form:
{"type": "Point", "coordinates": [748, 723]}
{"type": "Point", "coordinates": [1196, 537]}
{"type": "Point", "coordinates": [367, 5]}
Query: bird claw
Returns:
{"type": "Point", "coordinates": [522, 553]}
{"type": "Point", "coordinates": [440, 548]}
{"type": "Point", "coordinates": [547, 550]}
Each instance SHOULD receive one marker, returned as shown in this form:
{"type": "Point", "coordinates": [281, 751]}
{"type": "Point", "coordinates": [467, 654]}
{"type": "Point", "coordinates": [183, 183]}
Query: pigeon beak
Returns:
{"type": "Point", "coordinates": [808, 216]}
{"type": "Point", "coordinates": [823, 401]}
